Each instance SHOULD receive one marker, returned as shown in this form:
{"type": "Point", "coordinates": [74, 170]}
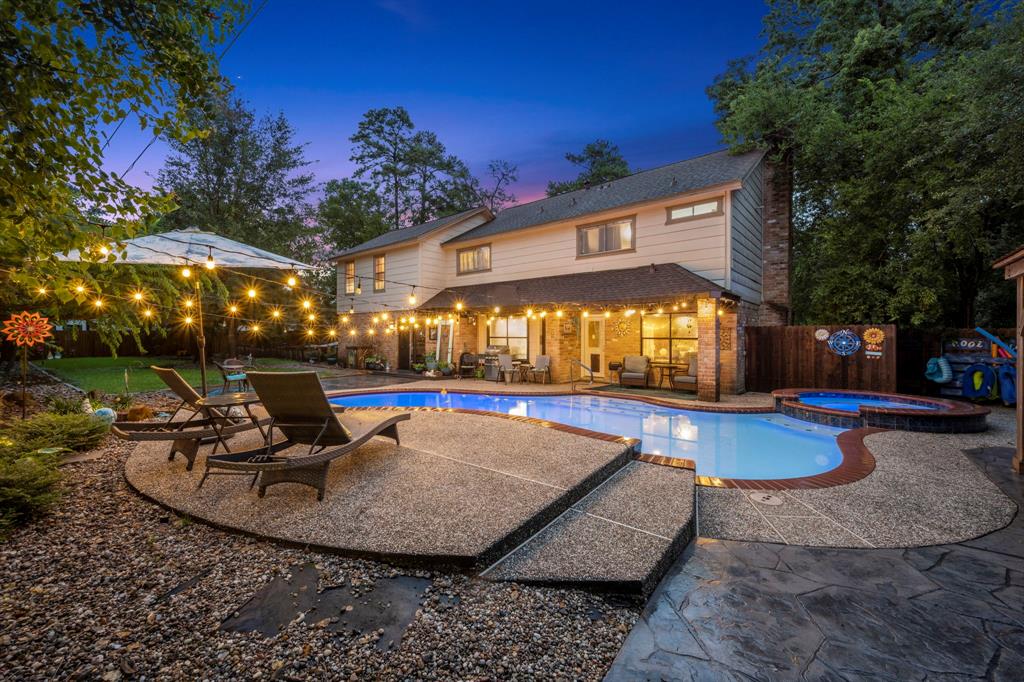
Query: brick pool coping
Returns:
{"type": "Point", "coordinates": [857, 460]}
{"type": "Point", "coordinates": [950, 416]}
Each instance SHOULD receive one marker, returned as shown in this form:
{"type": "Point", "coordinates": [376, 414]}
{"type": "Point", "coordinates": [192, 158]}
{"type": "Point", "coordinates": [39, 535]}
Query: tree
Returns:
{"type": "Point", "coordinates": [243, 178]}
{"type": "Point", "coordinates": [68, 70]}
{"type": "Point", "coordinates": [904, 123]}
{"type": "Point", "coordinates": [503, 174]}
{"type": "Point", "coordinates": [350, 213]}
{"type": "Point", "coordinates": [382, 144]}
{"type": "Point", "coordinates": [601, 162]}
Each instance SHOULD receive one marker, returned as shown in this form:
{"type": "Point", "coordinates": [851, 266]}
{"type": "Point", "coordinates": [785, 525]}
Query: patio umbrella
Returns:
{"type": "Point", "coordinates": [193, 246]}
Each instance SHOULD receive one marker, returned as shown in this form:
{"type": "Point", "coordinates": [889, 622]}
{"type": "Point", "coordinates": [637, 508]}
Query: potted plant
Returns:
{"type": "Point", "coordinates": [418, 367]}
{"type": "Point", "coordinates": [446, 368]}
{"type": "Point", "coordinates": [431, 361]}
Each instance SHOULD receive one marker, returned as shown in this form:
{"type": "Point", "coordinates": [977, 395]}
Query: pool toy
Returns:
{"type": "Point", "coordinates": [939, 370]}
{"type": "Point", "coordinates": [1007, 384]}
{"type": "Point", "coordinates": [998, 341]}
{"type": "Point", "coordinates": [979, 382]}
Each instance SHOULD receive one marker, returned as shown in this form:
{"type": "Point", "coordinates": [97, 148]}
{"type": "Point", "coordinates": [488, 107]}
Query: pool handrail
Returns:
{"type": "Point", "coordinates": [572, 381]}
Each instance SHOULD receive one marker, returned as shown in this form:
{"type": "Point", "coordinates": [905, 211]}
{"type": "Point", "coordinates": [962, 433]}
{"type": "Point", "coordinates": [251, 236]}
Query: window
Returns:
{"type": "Point", "coordinates": [668, 337]}
{"type": "Point", "coordinates": [511, 332]}
{"type": "Point", "coordinates": [350, 277]}
{"type": "Point", "coordinates": [473, 259]}
{"type": "Point", "coordinates": [699, 209]}
{"type": "Point", "coordinates": [617, 235]}
{"type": "Point", "coordinates": [378, 273]}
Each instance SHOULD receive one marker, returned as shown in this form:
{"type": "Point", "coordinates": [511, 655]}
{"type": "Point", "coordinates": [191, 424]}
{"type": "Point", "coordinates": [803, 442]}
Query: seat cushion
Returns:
{"type": "Point", "coordinates": [236, 377]}
{"type": "Point", "coordinates": [635, 364]}
{"type": "Point", "coordinates": [633, 376]}
{"type": "Point", "coordinates": [683, 379]}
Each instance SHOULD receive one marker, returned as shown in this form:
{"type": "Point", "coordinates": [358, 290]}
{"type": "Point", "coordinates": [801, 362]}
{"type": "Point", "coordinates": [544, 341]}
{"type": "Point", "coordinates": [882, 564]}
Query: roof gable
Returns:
{"type": "Point", "coordinates": [409, 234]}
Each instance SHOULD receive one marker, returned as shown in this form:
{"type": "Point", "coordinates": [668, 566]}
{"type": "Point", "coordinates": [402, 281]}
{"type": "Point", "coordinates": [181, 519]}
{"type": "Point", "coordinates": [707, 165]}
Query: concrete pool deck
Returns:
{"type": "Point", "coordinates": [923, 491]}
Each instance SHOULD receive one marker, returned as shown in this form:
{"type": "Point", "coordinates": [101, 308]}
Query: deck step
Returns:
{"type": "Point", "coordinates": [622, 537]}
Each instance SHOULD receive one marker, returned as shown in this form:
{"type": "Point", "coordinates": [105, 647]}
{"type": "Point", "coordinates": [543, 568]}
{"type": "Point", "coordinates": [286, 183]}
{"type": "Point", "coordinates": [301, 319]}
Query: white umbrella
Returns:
{"type": "Point", "coordinates": [193, 246]}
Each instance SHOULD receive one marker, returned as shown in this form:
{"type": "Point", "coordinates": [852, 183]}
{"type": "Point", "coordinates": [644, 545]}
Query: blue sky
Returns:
{"type": "Point", "coordinates": [525, 81]}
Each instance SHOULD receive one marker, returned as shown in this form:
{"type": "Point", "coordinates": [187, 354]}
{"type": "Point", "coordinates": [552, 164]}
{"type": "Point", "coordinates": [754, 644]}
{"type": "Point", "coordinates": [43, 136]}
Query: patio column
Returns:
{"type": "Point", "coordinates": [708, 341]}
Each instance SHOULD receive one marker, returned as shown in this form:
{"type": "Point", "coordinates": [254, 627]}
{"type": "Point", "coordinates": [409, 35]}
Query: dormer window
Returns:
{"type": "Point", "coordinates": [693, 211]}
{"type": "Point", "coordinates": [473, 259]}
{"type": "Point", "coordinates": [608, 237]}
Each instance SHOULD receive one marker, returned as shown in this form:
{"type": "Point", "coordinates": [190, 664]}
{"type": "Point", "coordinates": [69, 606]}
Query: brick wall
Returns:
{"type": "Point", "coordinates": [708, 352]}
{"type": "Point", "coordinates": [777, 249]}
{"type": "Point", "coordinates": [562, 343]}
{"type": "Point", "coordinates": [382, 344]}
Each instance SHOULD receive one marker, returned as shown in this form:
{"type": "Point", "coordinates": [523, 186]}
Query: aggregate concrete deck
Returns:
{"type": "Point", "coordinates": [744, 610]}
{"type": "Point", "coordinates": [622, 537]}
{"type": "Point", "coordinates": [923, 491]}
{"type": "Point", "coordinates": [462, 490]}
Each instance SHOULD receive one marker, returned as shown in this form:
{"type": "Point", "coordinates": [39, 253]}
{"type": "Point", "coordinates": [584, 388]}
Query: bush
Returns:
{"type": "Point", "coordinates": [61, 405]}
{"type": "Point", "coordinates": [27, 483]}
{"type": "Point", "coordinates": [49, 430]}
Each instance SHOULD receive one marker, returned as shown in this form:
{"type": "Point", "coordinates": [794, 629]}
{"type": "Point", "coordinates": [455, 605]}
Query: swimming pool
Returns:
{"type": "Point", "coordinates": [853, 403]}
{"type": "Point", "coordinates": [725, 445]}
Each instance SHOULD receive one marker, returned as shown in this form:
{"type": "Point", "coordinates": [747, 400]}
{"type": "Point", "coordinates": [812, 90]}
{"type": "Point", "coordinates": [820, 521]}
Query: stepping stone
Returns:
{"type": "Point", "coordinates": [622, 537]}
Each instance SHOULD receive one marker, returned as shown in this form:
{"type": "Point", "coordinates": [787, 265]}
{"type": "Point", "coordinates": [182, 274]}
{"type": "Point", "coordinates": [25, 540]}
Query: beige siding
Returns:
{"type": "Point", "coordinates": [698, 245]}
{"type": "Point", "coordinates": [745, 243]}
{"type": "Point", "coordinates": [432, 257]}
{"type": "Point", "coordinates": [401, 264]}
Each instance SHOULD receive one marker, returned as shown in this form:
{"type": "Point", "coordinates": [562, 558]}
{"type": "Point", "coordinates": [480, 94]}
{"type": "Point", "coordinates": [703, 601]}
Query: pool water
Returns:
{"type": "Point", "coordinates": [852, 403]}
{"type": "Point", "coordinates": [726, 445]}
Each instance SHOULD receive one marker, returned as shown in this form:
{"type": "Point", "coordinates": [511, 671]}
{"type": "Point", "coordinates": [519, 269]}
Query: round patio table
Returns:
{"type": "Point", "coordinates": [224, 402]}
{"type": "Point", "coordinates": [666, 370]}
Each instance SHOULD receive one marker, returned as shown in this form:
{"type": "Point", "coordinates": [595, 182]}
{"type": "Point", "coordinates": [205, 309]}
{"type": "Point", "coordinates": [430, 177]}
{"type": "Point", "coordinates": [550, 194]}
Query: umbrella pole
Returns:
{"type": "Point", "coordinates": [201, 339]}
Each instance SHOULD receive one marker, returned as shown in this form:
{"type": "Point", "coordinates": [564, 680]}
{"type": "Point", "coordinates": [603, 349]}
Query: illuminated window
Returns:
{"type": "Point", "coordinates": [617, 235]}
{"type": "Point", "coordinates": [699, 209]}
{"type": "Point", "coordinates": [667, 338]}
{"type": "Point", "coordinates": [350, 277]}
{"type": "Point", "coordinates": [511, 332]}
{"type": "Point", "coordinates": [378, 273]}
{"type": "Point", "coordinates": [474, 259]}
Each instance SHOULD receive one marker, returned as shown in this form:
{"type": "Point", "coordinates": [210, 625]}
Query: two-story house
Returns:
{"type": "Point", "coordinates": [665, 262]}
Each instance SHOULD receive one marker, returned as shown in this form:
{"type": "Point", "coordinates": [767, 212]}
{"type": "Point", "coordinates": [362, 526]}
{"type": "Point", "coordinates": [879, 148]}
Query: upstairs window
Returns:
{"type": "Point", "coordinates": [693, 211]}
{"type": "Point", "coordinates": [378, 273]}
{"type": "Point", "coordinates": [350, 277]}
{"type": "Point", "coordinates": [473, 259]}
{"type": "Point", "coordinates": [610, 237]}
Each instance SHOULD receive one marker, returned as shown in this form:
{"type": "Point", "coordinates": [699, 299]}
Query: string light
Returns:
{"type": "Point", "coordinates": [311, 317]}
{"type": "Point", "coordinates": [275, 313]}
{"type": "Point", "coordinates": [344, 319]}
{"type": "Point", "coordinates": [189, 303]}
{"type": "Point", "coordinates": [630, 312]}
{"type": "Point", "coordinates": [412, 296]}
{"type": "Point", "coordinates": [98, 303]}
{"type": "Point", "coordinates": [306, 303]}
{"type": "Point", "coordinates": [147, 312]}
{"type": "Point", "coordinates": [607, 314]}
{"type": "Point", "coordinates": [251, 293]}
{"type": "Point", "coordinates": [376, 319]}
{"type": "Point", "coordinates": [138, 296]}
{"type": "Point", "coordinates": [104, 250]}
{"type": "Point", "coordinates": [80, 289]}
{"type": "Point", "coordinates": [371, 331]}
{"type": "Point", "coordinates": [559, 313]}
{"type": "Point", "coordinates": [292, 281]}
{"type": "Point", "coordinates": [233, 309]}
{"type": "Point", "coordinates": [210, 264]}
{"type": "Point", "coordinates": [543, 313]}
{"type": "Point", "coordinates": [497, 309]}
{"type": "Point", "coordinates": [186, 272]}
{"type": "Point", "coordinates": [41, 291]}
{"type": "Point", "coordinates": [188, 319]}
{"type": "Point", "coordinates": [254, 328]}
{"type": "Point", "coordinates": [309, 332]}
{"type": "Point", "coordinates": [332, 332]}
{"type": "Point", "coordinates": [384, 315]}
{"type": "Point", "coordinates": [529, 312]}
{"type": "Point", "coordinates": [661, 311]}
{"type": "Point", "coordinates": [351, 332]}
{"type": "Point", "coordinates": [459, 306]}
{"type": "Point", "coordinates": [586, 313]}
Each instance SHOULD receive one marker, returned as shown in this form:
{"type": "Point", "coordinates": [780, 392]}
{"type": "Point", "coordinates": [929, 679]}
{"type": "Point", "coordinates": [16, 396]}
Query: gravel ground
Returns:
{"type": "Point", "coordinates": [83, 595]}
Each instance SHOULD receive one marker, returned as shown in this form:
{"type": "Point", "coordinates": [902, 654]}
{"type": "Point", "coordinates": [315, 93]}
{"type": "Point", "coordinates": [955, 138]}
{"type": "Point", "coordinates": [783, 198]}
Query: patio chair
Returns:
{"type": "Point", "coordinates": [185, 435]}
{"type": "Point", "coordinates": [541, 370]}
{"type": "Point", "coordinates": [636, 371]}
{"type": "Point", "coordinates": [467, 365]}
{"type": "Point", "coordinates": [685, 379]}
{"type": "Point", "coordinates": [299, 409]}
{"type": "Point", "coordinates": [232, 371]}
{"type": "Point", "coordinates": [506, 370]}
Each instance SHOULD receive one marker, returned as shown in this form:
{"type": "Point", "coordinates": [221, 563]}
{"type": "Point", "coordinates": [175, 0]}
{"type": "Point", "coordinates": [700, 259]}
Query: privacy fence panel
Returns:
{"type": "Point", "coordinates": [802, 357]}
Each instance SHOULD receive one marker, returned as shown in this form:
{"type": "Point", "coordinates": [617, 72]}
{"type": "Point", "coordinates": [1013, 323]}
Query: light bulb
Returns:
{"type": "Point", "coordinates": [458, 306]}
{"type": "Point", "coordinates": [98, 303]}
{"type": "Point", "coordinates": [529, 312]}
{"type": "Point", "coordinates": [186, 272]}
{"type": "Point", "coordinates": [233, 309]}
{"type": "Point", "coordinates": [309, 332]}
{"type": "Point", "coordinates": [137, 295]}
{"type": "Point", "coordinates": [351, 332]}
{"type": "Point", "coordinates": [80, 289]}
{"type": "Point", "coordinates": [189, 303]}
{"type": "Point", "coordinates": [275, 313]}
{"type": "Point", "coordinates": [559, 313]}
{"type": "Point", "coordinates": [255, 328]}
{"type": "Point", "coordinates": [251, 293]}
{"type": "Point", "coordinates": [41, 291]}
{"type": "Point", "coordinates": [306, 303]}
{"type": "Point", "coordinates": [292, 281]}
{"type": "Point", "coordinates": [147, 312]}
{"type": "Point", "coordinates": [586, 313]}
{"type": "Point", "coordinates": [497, 309]}
{"type": "Point", "coordinates": [210, 264]}
{"type": "Point", "coordinates": [332, 333]}
{"type": "Point", "coordinates": [607, 314]}
{"type": "Point", "coordinates": [188, 320]}
{"type": "Point", "coordinates": [311, 317]}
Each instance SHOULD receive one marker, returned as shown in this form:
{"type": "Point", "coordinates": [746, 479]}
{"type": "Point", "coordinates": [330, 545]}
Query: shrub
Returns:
{"type": "Point", "coordinates": [49, 430]}
{"type": "Point", "coordinates": [60, 405]}
{"type": "Point", "coordinates": [27, 484]}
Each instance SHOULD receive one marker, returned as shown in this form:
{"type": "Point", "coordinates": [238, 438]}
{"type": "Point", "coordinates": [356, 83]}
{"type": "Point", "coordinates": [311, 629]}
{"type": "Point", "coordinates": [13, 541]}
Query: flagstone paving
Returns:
{"type": "Point", "coordinates": [749, 610]}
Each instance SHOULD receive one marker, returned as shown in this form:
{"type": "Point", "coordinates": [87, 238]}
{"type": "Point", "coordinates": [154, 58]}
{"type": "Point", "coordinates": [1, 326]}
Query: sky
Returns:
{"type": "Point", "coordinates": [524, 81]}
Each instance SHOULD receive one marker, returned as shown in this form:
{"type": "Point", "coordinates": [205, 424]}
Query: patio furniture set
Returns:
{"type": "Point", "coordinates": [637, 370]}
{"type": "Point", "coordinates": [297, 407]}
{"type": "Point", "coordinates": [507, 368]}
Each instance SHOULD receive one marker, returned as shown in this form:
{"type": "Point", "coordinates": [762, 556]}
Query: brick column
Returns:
{"type": "Point", "coordinates": [562, 343]}
{"type": "Point", "coordinates": [777, 242]}
{"type": "Point", "coordinates": [708, 340]}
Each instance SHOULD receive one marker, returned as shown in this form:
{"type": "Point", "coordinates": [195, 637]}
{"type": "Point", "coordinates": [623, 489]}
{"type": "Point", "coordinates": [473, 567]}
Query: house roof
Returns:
{"type": "Point", "coordinates": [693, 174]}
{"type": "Point", "coordinates": [408, 234]}
{"type": "Point", "coordinates": [655, 282]}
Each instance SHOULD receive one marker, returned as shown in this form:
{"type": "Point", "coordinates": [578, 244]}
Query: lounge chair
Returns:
{"type": "Point", "coordinates": [506, 370]}
{"type": "Point", "coordinates": [636, 371]}
{"type": "Point", "coordinates": [299, 409]}
{"type": "Point", "coordinates": [685, 379]}
{"type": "Point", "coordinates": [541, 370]}
{"type": "Point", "coordinates": [186, 435]}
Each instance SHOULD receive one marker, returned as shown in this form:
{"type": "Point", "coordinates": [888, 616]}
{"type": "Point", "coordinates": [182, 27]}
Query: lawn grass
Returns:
{"type": "Point", "coordinates": [107, 374]}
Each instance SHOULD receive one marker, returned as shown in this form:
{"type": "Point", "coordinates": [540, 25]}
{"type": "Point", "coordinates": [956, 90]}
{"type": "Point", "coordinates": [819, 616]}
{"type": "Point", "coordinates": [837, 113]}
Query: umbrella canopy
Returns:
{"type": "Point", "coordinates": [193, 245]}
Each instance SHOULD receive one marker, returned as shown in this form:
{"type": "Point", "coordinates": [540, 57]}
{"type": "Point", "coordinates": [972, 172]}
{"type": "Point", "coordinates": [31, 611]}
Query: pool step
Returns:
{"type": "Point", "coordinates": [621, 537]}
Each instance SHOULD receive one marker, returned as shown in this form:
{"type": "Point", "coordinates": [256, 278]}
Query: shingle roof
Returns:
{"type": "Point", "coordinates": [406, 234]}
{"type": "Point", "coordinates": [648, 283]}
{"type": "Point", "coordinates": [658, 183]}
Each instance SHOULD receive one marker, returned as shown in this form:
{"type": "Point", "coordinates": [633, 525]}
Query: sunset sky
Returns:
{"type": "Point", "coordinates": [523, 81]}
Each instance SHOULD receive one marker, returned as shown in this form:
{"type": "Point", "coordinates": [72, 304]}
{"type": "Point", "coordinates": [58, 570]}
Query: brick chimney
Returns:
{"type": "Point", "coordinates": [777, 244]}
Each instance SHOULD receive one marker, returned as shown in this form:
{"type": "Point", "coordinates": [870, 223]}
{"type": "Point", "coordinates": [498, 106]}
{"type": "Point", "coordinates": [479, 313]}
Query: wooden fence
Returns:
{"type": "Point", "coordinates": [794, 357]}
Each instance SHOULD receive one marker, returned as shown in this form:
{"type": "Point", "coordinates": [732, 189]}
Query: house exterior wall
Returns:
{"type": "Point", "coordinates": [433, 263]}
{"type": "Point", "coordinates": [401, 264]}
{"type": "Point", "coordinates": [698, 245]}
{"type": "Point", "coordinates": [745, 245]}
{"type": "Point", "coordinates": [777, 250]}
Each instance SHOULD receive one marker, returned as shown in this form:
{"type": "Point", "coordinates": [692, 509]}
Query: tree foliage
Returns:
{"type": "Point", "coordinates": [905, 122]}
{"type": "Point", "coordinates": [600, 160]}
{"type": "Point", "coordinates": [243, 178]}
{"type": "Point", "coordinates": [70, 70]}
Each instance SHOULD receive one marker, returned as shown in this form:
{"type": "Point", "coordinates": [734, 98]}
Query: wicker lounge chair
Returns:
{"type": "Point", "coordinates": [685, 379]}
{"type": "Point", "coordinates": [299, 409]}
{"type": "Point", "coordinates": [636, 371]}
{"type": "Point", "coordinates": [186, 435]}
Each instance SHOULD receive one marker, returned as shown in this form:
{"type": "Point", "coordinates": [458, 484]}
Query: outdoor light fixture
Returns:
{"type": "Point", "coordinates": [332, 333]}
{"type": "Point", "coordinates": [351, 332]}
{"type": "Point", "coordinates": [607, 313]}
{"type": "Point", "coordinates": [147, 312]}
{"type": "Point", "coordinates": [292, 281]}
{"type": "Point", "coordinates": [98, 303]}
{"type": "Point", "coordinates": [376, 319]}
{"type": "Point", "coordinates": [104, 250]}
{"type": "Point", "coordinates": [559, 313]}
{"type": "Point", "coordinates": [251, 293]}
{"type": "Point", "coordinates": [529, 312]}
{"type": "Point", "coordinates": [543, 313]}
{"type": "Point", "coordinates": [188, 319]}
{"type": "Point", "coordinates": [661, 311]}
{"type": "Point", "coordinates": [189, 303]}
{"type": "Point", "coordinates": [309, 332]}
{"type": "Point", "coordinates": [412, 296]}
{"type": "Point", "coordinates": [233, 309]}
{"type": "Point", "coordinates": [458, 306]}
{"type": "Point", "coordinates": [210, 263]}
{"type": "Point", "coordinates": [586, 313]}
{"type": "Point", "coordinates": [371, 332]}
{"type": "Point", "coordinates": [311, 317]}
{"type": "Point", "coordinates": [351, 308]}
{"type": "Point", "coordinates": [41, 291]}
{"type": "Point", "coordinates": [275, 313]}
{"type": "Point", "coordinates": [255, 328]}
{"type": "Point", "coordinates": [137, 296]}
{"type": "Point", "coordinates": [359, 286]}
{"type": "Point", "coordinates": [306, 303]}
{"type": "Point", "coordinates": [186, 272]}
{"type": "Point", "coordinates": [497, 309]}
{"type": "Point", "coordinates": [80, 289]}
{"type": "Point", "coordinates": [344, 319]}
{"type": "Point", "coordinates": [384, 316]}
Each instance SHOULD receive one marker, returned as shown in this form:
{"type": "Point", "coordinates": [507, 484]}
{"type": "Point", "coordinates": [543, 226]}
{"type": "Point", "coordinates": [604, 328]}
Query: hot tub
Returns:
{"type": "Point", "coordinates": [852, 409]}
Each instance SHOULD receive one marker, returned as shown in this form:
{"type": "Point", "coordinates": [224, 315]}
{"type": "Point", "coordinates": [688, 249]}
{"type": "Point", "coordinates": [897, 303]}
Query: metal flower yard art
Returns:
{"type": "Point", "coordinates": [26, 329]}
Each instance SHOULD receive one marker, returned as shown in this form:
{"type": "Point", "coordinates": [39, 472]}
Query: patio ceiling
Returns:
{"type": "Point", "coordinates": [649, 283]}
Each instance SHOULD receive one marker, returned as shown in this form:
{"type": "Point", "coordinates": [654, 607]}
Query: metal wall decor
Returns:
{"type": "Point", "coordinates": [844, 342]}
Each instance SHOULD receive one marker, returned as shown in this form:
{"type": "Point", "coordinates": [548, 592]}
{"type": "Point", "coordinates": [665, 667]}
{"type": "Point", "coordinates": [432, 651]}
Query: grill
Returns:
{"type": "Point", "coordinates": [491, 361]}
